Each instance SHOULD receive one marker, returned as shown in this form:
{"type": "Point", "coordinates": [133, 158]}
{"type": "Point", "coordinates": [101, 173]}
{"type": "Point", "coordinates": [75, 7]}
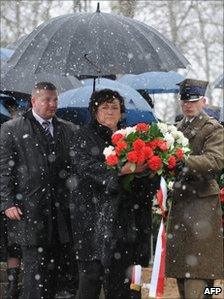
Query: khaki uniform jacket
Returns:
{"type": "Point", "coordinates": [194, 233]}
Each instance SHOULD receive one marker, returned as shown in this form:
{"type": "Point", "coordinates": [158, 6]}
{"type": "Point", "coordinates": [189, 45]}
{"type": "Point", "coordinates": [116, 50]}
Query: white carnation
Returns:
{"type": "Point", "coordinates": [172, 129]}
{"type": "Point", "coordinates": [170, 185]}
{"type": "Point", "coordinates": [177, 135]}
{"type": "Point", "coordinates": [109, 151]}
{"type": "Point", "coordinates": [169, 139]}
{"type": "Point", "coordinates": [184, 141]}
{"type": "Point", "coordinates": [121, 131]}
{"type": "Point", "coordinates": [163, 128]}
{"type": "Point", "coordinates": [130, 130]}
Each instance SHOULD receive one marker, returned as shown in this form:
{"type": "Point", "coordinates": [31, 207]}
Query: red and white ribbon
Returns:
{"type": "Point", "coordinates": [136, 278]}
{"type": "Point", "coordinates": [156, 286]}
{"type": "Point", "coordinates": [158, 270]}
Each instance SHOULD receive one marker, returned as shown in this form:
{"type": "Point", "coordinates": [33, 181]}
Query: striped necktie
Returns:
{"type": "Point", "coordinates": [46, 126]}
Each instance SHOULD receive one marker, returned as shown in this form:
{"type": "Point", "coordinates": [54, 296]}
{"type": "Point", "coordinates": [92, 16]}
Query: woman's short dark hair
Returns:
{"type": "Point", "coordinates": [104, 95]}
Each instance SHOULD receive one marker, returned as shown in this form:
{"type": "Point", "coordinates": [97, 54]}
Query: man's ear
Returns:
{"type": "Point", "coordinates": [32, 100]}
{"type": "Point", "coordinates": [204, 101]}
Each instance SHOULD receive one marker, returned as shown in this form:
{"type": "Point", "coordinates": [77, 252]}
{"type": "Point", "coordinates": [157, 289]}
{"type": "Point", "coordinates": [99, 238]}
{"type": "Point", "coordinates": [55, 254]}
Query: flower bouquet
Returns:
{"type": "Point", "coordinates": [158, 145]}
{"type": "Point", "coordinates": [220, 181]}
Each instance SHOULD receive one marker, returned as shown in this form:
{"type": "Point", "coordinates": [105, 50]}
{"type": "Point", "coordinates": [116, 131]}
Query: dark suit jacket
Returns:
{"type": "Point", "coordinates": [35, 174]}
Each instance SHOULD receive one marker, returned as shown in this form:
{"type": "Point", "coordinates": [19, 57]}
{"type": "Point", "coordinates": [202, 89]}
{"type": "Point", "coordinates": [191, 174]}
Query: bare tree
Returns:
{"type": "Point", "coordinates": [81, 5]}
{"type": "Point", "coordinates": [196, 28]}
{"type": "Point", "coordinates": [124, 7]}
{"type": "Point", "coordinates": [76, 5]}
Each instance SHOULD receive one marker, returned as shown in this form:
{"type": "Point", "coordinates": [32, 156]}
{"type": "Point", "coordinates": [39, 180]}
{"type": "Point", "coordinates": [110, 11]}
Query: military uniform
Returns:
{"type": "Point", "coordinates": [194, 234]}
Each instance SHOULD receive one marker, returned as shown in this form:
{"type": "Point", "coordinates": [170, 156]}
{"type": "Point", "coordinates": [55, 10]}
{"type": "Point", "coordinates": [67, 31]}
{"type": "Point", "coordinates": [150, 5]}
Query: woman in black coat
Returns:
{"type": "Point", "coordinates": [111, 227]}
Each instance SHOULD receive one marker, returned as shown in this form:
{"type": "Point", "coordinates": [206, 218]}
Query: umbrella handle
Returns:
{"type": "Point", "coordinates": [92, 63]}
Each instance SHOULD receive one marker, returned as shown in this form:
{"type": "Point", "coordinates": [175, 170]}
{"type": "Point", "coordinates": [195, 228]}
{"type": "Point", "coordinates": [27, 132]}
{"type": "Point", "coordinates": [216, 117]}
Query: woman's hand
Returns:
{"type": "Point", "coordinates": [141, 168]}
{"type": "Point", "coordinates": [126, 169]}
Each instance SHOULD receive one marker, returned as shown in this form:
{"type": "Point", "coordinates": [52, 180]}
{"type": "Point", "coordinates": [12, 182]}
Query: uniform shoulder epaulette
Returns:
{"type": "Point", "coordinates": [213, 121]}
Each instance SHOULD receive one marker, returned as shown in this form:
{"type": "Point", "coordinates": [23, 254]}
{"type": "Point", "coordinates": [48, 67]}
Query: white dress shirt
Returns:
{"type": "Point", "coordinates": [41, 120]}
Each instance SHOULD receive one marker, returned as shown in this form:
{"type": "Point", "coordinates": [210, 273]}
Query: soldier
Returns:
{"type": "Point", "coordinates": [194, 235]}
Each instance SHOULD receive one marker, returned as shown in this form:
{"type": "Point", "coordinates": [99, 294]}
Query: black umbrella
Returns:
{"type": "Point", "coordinates": [96, 44]}
{"type": "Point", "coordinates": [21, 80]}
{"type": "Point", "coordinates": [17, 42]}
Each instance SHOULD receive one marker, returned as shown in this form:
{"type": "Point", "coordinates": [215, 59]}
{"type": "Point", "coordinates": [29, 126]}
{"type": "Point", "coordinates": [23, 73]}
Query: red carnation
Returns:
{"type": "Point", "coordinates": [148, 152]}
{"type": "Point", "coordinates": [179, 154]}
{"type": "Point", "coordinates": [142, 127]}
{"type": "Point", "coordinates": [112, 160]}
{"type": "Point", "coordinates": [155, 163]}
{"type": "Point", "coordinates": [171, 162]}
{"type": "Point", "coordinates": [132, 157]}
{"type": "Point", "coordinates": [138, 144]}
{"type": "Point", "coordinates": [152, 144]}
{"type": "Point", "coordinates": [162, 145]}
{"type": "Point", "coordinates": [140, 158]}
{"type": "Point", "coordinates": [221, 194]}
{"type": "Point", "coordinates": [116, 138]}
{"type": "Point", "coordinates": [120, 146]}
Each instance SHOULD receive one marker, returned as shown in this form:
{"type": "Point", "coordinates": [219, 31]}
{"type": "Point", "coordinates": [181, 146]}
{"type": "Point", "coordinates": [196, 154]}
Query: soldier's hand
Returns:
{"type": "Point", "coordinates": [14, 213]}
{"type": "Point", "coordinates": [179, 167]}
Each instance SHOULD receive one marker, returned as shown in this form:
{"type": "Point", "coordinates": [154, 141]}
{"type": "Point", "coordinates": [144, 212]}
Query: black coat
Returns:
{"type": "Point", "coordinates": [35, 171]}
{"type": "Point", "coordinates": [102, 212]}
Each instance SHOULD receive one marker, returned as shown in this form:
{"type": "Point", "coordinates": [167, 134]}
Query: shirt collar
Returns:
{"type": "Point", "coordinates": [40, 119]}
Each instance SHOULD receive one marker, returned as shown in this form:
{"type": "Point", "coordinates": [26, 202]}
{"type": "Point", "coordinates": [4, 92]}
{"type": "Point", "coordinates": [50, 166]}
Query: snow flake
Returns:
{"type": "Point", "coordinates": [136, 206]}
{"type": "Point", "coordinates": [117, 255]}
{"type": "Point", "coordinates": [19, 196]}
{"type": "Point", "coordinates": [191, 260]}
{"type": "Point", "coordinates": [37, 276]}
{"type": "Point", "coordinates": [170, 236]}
{"type": "Point", "coordinates": [25, 136]}
{"type": "Point", "coordinates": [10, 278]}
{"type": "Point", "coordinates": [11, 163]}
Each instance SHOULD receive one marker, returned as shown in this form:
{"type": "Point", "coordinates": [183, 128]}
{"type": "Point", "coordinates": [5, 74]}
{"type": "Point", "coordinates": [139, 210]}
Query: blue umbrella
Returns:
{"type": "Point", "coordinates": [4, 112]}
{"type": "Point", "coordinates": [213, 112]}
{"type": "Point", "coordinates": [219, 82]}
{"type": "Point", "coordinates": [73, 104]}
{"type": "Point", "coordinates": [5, 53]}
{"type": "Point", "coordinates": [154, 82]}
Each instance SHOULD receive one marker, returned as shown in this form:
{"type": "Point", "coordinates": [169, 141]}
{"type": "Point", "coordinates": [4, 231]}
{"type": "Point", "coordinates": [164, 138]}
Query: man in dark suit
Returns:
{"type": "Point", "coordinates": [194, 234]}
{"type": "Point", "coordinates": [35, 188]}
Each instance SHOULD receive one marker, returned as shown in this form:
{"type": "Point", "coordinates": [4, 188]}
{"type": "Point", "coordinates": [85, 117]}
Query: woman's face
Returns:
{"type": "Point", "coordinates": [109, 114]}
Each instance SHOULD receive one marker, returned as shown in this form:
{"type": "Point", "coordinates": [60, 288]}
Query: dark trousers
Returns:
{"type": "Point", "coordinates": [40, 271]}
{"type": "Point", "coordinates": [67, 273]}
{"type": "Point", "coordinates": [194, 288]}
{"type": "Point", "coordinates": [115, 279]}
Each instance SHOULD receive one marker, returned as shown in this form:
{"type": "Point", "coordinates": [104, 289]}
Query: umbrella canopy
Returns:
{"type": "Point", "coordinates": [219, 82]}
{"type": "Point", "coordinates": [22, 80]}
{"type": "Point", "coordinates": [17, 42]}
{"type": "Point", "coordinates": [154, 82]}
{"type": "Point", "coordinates": [213, 111]}
{"type": "Point", "coordinates": [96, 44]}
{"type": "Point", "coordinates": [73, 104]}
{"type": "Point", "coordinates": [5, 53]}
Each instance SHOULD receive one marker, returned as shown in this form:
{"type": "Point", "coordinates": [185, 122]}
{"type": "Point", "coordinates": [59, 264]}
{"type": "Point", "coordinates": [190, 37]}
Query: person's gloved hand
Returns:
{"type": "Point", "coordinates": [180, 165]}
